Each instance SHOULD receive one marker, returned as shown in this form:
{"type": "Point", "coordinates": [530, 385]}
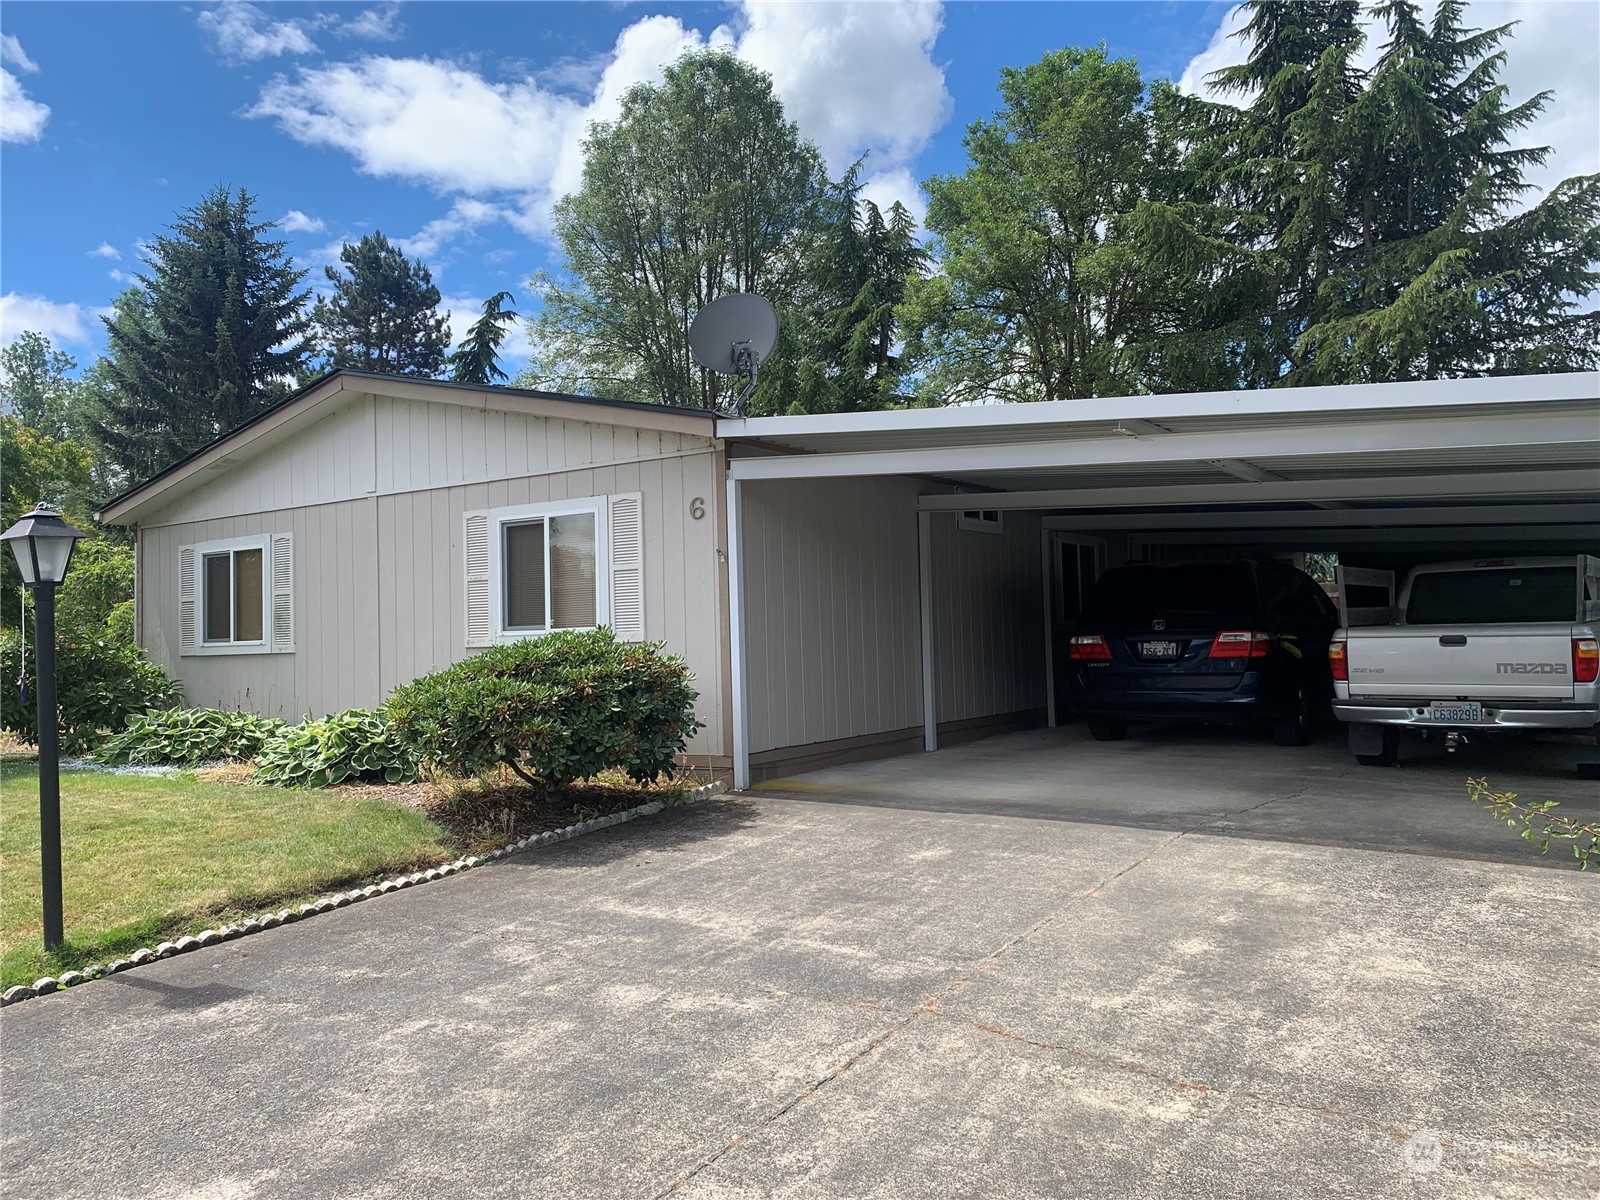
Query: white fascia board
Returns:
{"type": "Point", "coordinates": [1429, 393]}
{"type": "Point", "coordinates": [1361, 487]}
{"type": "Point", "coordinates": [1455, 433]}
{"type": "Point", "coordinates": [1490, 514]}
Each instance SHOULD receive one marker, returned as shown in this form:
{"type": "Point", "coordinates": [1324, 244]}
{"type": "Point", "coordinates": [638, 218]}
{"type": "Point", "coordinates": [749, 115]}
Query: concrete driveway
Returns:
{"type": "Point", "coordinates": [1151, 986]}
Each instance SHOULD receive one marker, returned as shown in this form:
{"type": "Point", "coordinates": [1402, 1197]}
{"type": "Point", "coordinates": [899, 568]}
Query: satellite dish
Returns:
{"type": "Point", "coordinates": [734, 335]}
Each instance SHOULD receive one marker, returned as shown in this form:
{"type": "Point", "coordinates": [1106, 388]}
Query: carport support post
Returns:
{"type": "Point", "coordinates": [930, 713]}
{"type": "Point", "coordinates": [741, 731]}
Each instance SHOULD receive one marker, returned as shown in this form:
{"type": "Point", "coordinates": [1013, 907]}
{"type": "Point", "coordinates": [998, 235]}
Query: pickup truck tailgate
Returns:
{"type": "Point", "coordinates": [1529, 662]}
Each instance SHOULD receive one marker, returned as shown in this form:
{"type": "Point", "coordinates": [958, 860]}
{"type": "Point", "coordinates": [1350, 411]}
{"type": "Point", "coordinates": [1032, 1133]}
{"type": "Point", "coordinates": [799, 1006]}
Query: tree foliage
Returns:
{"type": "Point", "coordinates": [477, 359]}
{"type": "Point", "coordinates": [383, 314]}
{"type": "Point", "coordinates": [700, 187]}
{"type": "Point", "coordinates": [214, 334]}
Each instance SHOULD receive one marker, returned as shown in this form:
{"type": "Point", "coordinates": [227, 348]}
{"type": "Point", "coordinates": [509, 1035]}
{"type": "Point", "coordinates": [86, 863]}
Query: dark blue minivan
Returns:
{"type": "Point", "coordinates": [1233, 641]}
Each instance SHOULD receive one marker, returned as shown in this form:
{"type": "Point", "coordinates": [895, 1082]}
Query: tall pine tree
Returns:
{"type": "Point", "coordinates": [212, 336]}
{"type": "Point", "coordinates": [477, 359]}
{"type": "Point", "coordinates": [384, 314]}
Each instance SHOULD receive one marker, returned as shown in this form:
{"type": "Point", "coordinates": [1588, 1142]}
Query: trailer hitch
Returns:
{"type": "Point", "coordinates": [1452, 739]}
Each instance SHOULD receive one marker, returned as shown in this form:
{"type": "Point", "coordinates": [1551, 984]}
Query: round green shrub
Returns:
{"type": "Point", "coordinates": [354, 744]}
{"type": "Point", "coordinates": [555, 709]}
{"type": "Point", "coordinates": [188, 737]}
{"type": "Point", "coordinates": [100, 684]}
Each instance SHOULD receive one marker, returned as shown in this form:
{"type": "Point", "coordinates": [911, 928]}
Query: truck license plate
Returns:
{"type": "Point", "coordinates": [1470, 713]}
{"type": "Point", "coordinates": [1160, 649]}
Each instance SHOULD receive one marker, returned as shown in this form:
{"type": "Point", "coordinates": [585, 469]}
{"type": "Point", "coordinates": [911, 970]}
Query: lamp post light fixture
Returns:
{"type": "Point", "coordinates": [43, 544]}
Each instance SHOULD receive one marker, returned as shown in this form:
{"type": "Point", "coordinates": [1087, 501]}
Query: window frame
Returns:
{"type": "Point", "coordinates": [231, 547]}
{"type": "Point", "coordinates": [521, 514]}
{"type": "Point", "coordinates": [981, 520]}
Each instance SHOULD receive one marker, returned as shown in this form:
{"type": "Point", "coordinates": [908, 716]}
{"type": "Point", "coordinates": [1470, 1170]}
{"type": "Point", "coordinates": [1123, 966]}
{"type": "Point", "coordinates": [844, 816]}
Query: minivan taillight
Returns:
{"type": "Point", "coordinates": [1338, 662]}
{"type": "Point", "coordinates": [1585, 659]}
{"type": "Point", "coordinates": [1242, 644]}
{"type": "Point", "coordinates": [1089, 647]}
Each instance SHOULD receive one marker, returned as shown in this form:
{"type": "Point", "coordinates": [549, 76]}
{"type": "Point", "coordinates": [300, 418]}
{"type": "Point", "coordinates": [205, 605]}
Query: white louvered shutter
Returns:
{"type": "Point", "coordinates": [188, 617]}
{"type": "Point", "coordinates": [282, 593]}
{"type": "Point", "coordinates": [627, 566]}
{"type": "Point", "coordinates": [480, 613]}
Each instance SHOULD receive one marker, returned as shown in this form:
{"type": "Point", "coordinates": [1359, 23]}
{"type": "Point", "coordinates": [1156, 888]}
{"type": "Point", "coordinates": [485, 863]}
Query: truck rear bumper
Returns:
{"type": "Point", "coordinates": [1516, 715]}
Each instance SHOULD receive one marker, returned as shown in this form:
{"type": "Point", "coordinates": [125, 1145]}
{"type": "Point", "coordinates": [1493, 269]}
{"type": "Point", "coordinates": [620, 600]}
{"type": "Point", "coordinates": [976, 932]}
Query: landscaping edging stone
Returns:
{"type": "Point", "coordinates": [283, 916]}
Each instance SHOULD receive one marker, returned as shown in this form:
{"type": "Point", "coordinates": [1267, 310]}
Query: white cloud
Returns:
{"type": "Point", "coordinates": [856, 77]}
{"type": "Point", "coordinates": [1554, 46]}
{"type": "Point", "coordinates": [57, 321]}
{"type": "Point", "coordinates": [295, 221]}
{"type": "Point", "coordinates": [381, 24]}
{"type": "Point", "coordinates": [125, 278]}
{"type": "Point", "coordinates": [244, 33]}
{"type": "Point", "coordinates": [105, 250]}
{"type": "Point", "coordinates": [465, 216]}
{"type": "Point", "coordinates": [11, 51]}
{"type": "Point", "coordinates": [21, 119]}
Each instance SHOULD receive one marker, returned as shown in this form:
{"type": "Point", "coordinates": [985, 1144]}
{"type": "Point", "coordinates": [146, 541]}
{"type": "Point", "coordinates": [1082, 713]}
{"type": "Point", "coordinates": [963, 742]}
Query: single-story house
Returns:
{"type": "Point", "coordinates": [842, 586]}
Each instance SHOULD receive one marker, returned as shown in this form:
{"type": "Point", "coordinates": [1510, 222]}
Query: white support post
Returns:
{"type": "Point", "coordinates": [1046, 545]}
{"type": "Point", "coordinates": [741, 729]}
{"type": "Point", "coordinates": [930, 707]}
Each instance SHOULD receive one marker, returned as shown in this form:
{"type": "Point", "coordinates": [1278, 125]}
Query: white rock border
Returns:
{"type": "Point", "coordinates": [270, 920]}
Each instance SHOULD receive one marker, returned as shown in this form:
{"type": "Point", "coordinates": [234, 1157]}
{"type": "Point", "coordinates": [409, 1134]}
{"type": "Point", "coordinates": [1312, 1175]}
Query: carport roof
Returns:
{"type": "Point", "coordinates": [1528, 437]}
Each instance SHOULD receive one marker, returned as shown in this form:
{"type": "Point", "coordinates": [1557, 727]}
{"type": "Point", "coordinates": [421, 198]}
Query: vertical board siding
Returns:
{"type": "Point", "coordinates": [830, 609]}
{"type": "Point", "coordinates": [374, 495]}
{"type": "Point", "coordinates": [988, 618]}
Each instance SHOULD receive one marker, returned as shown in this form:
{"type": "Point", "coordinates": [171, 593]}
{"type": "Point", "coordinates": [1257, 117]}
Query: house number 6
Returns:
{"type": "Point", "coordinates": [697, 507]}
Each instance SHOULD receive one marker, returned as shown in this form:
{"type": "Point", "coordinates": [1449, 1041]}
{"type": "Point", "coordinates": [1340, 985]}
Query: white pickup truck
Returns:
{"type": "Point", "coordinates": [1472, 647]}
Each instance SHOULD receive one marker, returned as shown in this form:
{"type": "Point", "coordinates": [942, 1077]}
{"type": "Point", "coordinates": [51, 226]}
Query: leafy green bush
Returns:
{"type": "Point", "coordinates": [354, 744]}
{"type": "Point", "coordinates": [99, 685]}
{"type": "Point", "coordinates": [187, 737]}
{"type": "Point", "coordinates": [554, 709]}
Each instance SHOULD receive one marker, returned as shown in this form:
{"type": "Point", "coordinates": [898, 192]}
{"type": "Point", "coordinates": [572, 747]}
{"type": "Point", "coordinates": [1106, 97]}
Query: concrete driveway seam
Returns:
{"type": "Point", "coordinates": [284, 916]}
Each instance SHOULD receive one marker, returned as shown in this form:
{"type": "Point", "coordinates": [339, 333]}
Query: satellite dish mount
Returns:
{"type": "Point", "coordinates": [734, 335]}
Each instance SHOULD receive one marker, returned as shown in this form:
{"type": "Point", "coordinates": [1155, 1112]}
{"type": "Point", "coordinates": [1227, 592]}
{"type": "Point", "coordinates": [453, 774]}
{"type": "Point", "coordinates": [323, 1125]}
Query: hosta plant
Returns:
{"type": "Point", "coordinates": [355, 744]}
{"type": "Point", "coordinates": [188, 737]}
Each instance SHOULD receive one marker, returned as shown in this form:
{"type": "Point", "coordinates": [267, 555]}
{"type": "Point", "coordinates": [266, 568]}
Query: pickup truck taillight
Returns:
{"type": "Point", "coordinates": [1339, 662]}
{"type": "Point", "coordinates": [1242, 644]}
{"type": "Point", "coordinates": [1585, 659]}
{"type": "Point", "coordinates": [1088, 647]}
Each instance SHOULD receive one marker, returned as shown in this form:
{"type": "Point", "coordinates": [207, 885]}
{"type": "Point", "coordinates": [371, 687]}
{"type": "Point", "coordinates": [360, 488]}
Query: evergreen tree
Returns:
{"type": "Point", "coordinates": [383, 315]}
{"type": "Point", "coordinates": [476, 360]}
{"type": "Point", "coordinates": [700, 187]}
{"type": "Point", "coordinates": [859, 274]}
{"type": "Point", "coordinates": [214, 335]}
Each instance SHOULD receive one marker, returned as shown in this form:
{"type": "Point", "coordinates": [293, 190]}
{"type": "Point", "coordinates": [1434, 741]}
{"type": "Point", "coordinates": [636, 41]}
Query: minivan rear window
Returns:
{"type": "Point", "coordinates": [1492, 596]}
{"type": "Point", "coordinates": [1197, 593]}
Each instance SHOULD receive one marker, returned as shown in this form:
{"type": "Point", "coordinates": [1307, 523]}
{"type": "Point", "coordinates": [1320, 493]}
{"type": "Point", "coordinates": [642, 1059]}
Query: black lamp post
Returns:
{"type": "Point", "coordinates": [43, 544]}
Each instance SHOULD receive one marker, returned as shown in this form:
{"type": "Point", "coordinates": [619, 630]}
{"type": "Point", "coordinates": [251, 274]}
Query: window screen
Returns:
{"type": "Point", "coordinates": [219, 597]}
{"type": "Point", "coordinates": [247, 607]}
{"type": "Point", "coordinates": [524, 575]}
{"type": "Point", "coordinates": [572, 571]}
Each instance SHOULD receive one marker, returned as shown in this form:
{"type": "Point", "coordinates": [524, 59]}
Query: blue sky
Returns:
{"type": "Point", "coordinates": [453, 127]}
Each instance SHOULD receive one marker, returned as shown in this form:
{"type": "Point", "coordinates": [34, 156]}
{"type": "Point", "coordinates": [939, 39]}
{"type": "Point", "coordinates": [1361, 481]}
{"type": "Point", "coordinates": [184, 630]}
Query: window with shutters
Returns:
{"type": "Point", "coordinates": [570, 564]}
{"type": "Point", "coordinates": [234, 596]}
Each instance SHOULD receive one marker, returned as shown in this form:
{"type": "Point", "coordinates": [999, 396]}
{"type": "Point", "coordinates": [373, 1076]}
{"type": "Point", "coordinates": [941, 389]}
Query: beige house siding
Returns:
{"type": "Point", "coordinates": [988, 618]}
{"type": "Point", "coordinates": [375, 496]}
{"type": "Point", "coordinates": [832, 615]}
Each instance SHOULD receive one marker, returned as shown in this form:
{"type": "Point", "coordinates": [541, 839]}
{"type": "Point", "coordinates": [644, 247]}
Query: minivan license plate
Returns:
{"type": "Point", "coordinates": [1160, 649]}
{"type": "Point", "coordinates": [1467, 712]}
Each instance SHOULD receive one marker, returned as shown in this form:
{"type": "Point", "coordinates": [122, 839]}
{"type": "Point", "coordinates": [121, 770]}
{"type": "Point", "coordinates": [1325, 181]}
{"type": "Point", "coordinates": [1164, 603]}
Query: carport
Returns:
{"type": "Point", "coordinates": [899, 578]}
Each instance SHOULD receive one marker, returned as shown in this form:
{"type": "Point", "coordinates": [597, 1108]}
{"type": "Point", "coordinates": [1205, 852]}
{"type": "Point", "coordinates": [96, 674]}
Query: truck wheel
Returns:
{"type": "Point", "coordinates": [1589, 770]}
{"type": "Point", "coordinates": [1384, 754]}
{"type": "Point", "coordinates": [1107, 729]}
{"type": "Point", "coordinates": [1294, 727]}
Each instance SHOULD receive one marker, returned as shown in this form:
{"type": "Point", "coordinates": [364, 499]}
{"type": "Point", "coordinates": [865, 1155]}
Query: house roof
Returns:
{"type": "Point", "coordinates": [322, 395]}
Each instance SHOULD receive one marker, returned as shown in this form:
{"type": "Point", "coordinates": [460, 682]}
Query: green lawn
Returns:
{"type": "Point", "coordinates": [146, 860]}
